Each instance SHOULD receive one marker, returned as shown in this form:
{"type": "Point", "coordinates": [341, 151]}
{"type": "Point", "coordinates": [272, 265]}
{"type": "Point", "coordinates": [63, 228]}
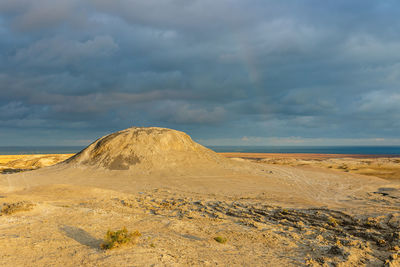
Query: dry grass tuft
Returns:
{"type": "Point", "coordinates": [10, 208]}
{"type": "Point", "coordinates": [115, 239]}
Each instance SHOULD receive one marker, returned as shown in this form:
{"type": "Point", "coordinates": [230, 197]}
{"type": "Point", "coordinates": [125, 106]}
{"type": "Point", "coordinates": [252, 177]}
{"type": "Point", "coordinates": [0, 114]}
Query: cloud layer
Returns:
{"type": "Point", "coordinates": [259, 72]}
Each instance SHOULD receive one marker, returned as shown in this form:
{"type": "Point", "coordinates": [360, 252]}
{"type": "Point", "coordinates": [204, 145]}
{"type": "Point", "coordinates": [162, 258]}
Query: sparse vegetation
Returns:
{"type": "Point", "coordinates": [10, 208]}
{"type": "Point", "coordinates": [221, 239]}
{"type": "Point", "coordinates": [115, 239]}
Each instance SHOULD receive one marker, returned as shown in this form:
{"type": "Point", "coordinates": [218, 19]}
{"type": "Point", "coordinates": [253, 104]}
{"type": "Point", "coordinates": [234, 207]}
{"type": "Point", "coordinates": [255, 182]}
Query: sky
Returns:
{"type": "Point", "coordinates": [227, 72]}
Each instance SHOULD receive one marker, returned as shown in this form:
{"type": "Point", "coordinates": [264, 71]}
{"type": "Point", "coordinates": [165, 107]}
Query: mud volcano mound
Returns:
{"type": "Point", "coordinates": [145, 149]}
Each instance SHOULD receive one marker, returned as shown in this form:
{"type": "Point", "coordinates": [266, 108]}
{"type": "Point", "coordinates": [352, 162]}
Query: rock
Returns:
{"type": "Point", "coordinates": [336, 250]}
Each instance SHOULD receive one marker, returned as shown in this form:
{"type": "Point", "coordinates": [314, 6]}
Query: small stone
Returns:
{"type": "Point", "coordinates": [335, 250]}
{"type": "Point", "coordinates": [381, 242]}
{"type": "Point", "coordinates": [320, 238]}
{"type": "Point", "coordinates": [396, 236]}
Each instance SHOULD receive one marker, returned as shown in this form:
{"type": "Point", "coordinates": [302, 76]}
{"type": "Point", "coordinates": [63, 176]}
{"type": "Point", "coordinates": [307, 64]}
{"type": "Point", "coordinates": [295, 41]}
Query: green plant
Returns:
{"type": "Point", "coordinates": [115, 239]}
{"type": "Point", "coordinates": [220, 239]}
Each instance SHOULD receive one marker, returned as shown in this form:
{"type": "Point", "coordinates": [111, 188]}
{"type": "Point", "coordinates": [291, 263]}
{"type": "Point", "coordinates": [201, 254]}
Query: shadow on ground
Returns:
{"type": "Point", "coordinates": [81, 236]}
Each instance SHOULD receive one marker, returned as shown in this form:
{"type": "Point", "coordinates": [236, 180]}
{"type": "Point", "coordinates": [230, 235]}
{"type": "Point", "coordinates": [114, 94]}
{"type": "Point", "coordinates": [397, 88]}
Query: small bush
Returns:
{"type": "Point", "coordinates": [221, 239]}
{"type": "Point", "coordinates": [10, 208]}
{"type": "Point", "coordinates": [115, 239]}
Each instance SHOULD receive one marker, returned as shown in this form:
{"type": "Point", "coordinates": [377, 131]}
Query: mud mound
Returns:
{"type": "Point", "coordinates": [145, 148]}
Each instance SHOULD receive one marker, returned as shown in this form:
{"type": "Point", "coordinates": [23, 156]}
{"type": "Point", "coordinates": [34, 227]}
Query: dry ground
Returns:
{"type": "Point", "coordinates": [271, 215]}
{"type": "Point", "coordinates": [18, 163]}
{"type": "Point", "coordinates": [387, 167]}
{"type": "Point", "coordinates": [372, 165]}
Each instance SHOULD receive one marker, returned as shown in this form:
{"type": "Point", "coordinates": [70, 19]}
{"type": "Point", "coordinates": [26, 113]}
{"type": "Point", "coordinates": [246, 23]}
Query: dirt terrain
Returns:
{"type": "Point", "coordinates": [181, 197]}
{"type": "Point", "coordinates": [383, 166]}
{"type": "Point", "coordinates": [18, 163]}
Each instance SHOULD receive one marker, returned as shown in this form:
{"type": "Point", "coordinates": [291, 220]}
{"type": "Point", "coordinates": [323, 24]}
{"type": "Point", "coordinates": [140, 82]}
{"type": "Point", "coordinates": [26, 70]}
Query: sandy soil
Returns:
{"type": "Point", "coordinates": [17, 163]}
{"type": "Point", "coordinates": [383, 166]}
{"type": "Point", "coordinates": [287, 215]}
{"type": "Point", "coordinates": [300, 155]}
{"type": "Point", "coordinates": [271, 214]}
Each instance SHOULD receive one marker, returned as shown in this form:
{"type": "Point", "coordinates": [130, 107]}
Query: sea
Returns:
{"type": "Point", "coordinates": [363, 150]}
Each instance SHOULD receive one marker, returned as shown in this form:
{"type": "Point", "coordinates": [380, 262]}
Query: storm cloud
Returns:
{"type": "Point", "coordinates": [226, 72]}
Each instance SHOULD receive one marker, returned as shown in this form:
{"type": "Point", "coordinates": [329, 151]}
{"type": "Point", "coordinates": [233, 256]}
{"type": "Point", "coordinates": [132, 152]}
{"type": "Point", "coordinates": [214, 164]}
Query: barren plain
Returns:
{"type": "Point", "coordinates": [183, 198]}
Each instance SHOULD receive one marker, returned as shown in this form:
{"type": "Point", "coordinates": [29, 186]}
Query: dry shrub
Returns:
{"type": "Point", "coordinates": [115, 239]}
{"type": "Point", "coordinates": [10, 208]}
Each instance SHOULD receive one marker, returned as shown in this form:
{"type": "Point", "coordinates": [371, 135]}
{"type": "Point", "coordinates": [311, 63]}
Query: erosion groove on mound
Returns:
{"type": "Point", "coordinates": [145, 148]}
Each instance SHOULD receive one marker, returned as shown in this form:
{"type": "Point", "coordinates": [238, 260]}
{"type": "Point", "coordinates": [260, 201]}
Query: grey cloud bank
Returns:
{"type": "Point", "coordinates": [228, 72]}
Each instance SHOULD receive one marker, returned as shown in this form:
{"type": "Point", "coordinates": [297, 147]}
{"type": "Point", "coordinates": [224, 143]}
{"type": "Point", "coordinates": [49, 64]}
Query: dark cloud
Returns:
{"type": "Point", "coordinates": [58, 52]}
{"type": "Point", "coordinates": [272, 71]}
